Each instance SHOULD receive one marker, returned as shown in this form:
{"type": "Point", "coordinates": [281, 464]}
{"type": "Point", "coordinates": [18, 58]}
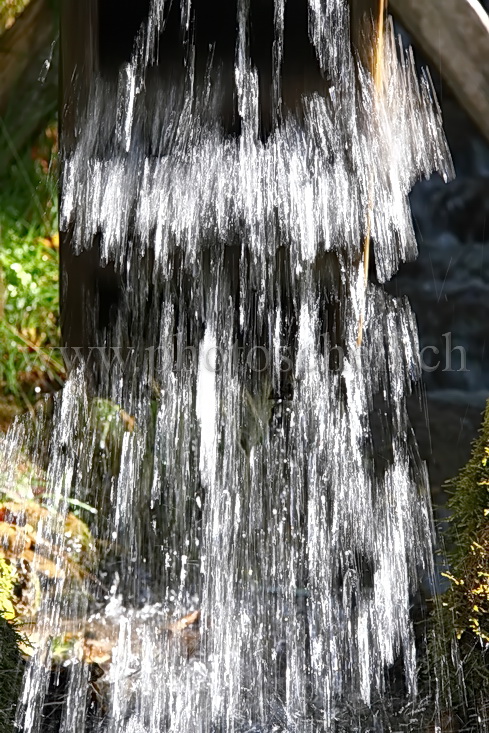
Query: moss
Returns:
{"type": "Point", "coordinates": [468, 542]}
{"type": "Point", "coordinates": [460, 647]}
{"type": "Point", "coordinates": [7, 586]}
{"type": "Point", "coordinates": [9, 10]}
{"type": "Point", "coordinates": [10, 675]}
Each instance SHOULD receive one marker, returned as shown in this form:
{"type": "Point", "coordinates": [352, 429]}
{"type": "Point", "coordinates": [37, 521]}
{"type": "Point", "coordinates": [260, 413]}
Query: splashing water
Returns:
{"type": "Point", "coordinates": [250, 486]}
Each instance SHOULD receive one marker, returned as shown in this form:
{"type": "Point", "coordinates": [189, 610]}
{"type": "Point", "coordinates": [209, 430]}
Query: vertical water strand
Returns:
{"type": "Point", "coordinates": [378, 78]}
{"type": "Point", "coordinates": [61, 604]}
{"type": "Point", "coordinates": [250, 491]}
{"type": "Point", "coordinates": [278, 55]}
{"type": "Point", "coordinates": [221, 515]}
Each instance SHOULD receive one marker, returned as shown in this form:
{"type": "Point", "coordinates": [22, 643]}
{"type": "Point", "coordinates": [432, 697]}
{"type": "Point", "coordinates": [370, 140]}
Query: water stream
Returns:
{"type": "Point", "coordinates": [252, 486]}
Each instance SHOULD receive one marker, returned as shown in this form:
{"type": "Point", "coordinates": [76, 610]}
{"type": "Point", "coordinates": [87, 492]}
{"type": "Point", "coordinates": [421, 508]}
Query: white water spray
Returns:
{"type": "Point", "coordinates": [248, 488]}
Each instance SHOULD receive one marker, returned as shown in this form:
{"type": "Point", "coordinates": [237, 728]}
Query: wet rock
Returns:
{"type": "Point", "coordinates": [445, 424]}
{"type": "Point", "coordinates": [462, 207]}
{"type": "Point", "coordinates": [448, 285]}
{"type": "Point", "coordinates": [448, 288]}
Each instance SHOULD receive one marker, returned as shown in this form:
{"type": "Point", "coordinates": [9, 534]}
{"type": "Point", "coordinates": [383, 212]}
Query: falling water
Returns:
{"type": "Point", "coordinates": [252, 486]}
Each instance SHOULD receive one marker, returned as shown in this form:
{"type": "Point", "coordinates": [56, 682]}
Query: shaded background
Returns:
{"type": "Point", "coordinates": [448, 287]}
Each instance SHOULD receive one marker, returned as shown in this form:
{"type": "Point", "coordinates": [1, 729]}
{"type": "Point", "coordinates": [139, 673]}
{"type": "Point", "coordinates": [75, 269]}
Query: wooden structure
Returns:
{"type": "Point", "coordinates": [454, 35]}
{"type": "Point", "coordinates": [97, 36]}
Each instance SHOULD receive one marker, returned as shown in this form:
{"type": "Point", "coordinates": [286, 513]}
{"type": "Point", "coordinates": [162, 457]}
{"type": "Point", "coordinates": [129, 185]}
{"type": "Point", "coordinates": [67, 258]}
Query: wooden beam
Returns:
{"type": "Point", "coordinates": [454, 35]}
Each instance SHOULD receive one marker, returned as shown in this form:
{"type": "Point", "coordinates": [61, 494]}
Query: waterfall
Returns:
{"type": "Point", "coordinates": [251, 487]}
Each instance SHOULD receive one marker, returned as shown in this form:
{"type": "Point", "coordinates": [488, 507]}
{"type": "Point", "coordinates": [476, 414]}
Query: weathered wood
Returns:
{"type": "Point", "coordinates": [28, 93]}
{"type": "Point", "coordinates": [454, 35]}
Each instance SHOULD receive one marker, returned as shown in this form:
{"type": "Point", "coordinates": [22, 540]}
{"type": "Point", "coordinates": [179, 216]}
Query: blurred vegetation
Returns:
{"type": "Point", "coordinates": [28, 327]}
{"type": "Point", "coordinates": [9, 10]}
{"type": "Point", "coordinates": [29, 302]}
{"type": "Point", "coordinates": [44, 542]}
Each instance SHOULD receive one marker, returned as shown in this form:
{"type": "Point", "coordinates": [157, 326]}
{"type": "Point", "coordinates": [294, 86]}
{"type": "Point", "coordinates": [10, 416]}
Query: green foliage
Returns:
{"type": "Point", "coordinates": [42, 540]}
{"type": "Point", "coordinates": [29, 301]}
{"type": "Point", "coordinates": [10, 675]}
{"type": "Point", "coordinates": [9, 10]}
{"type": "Point", "coordinates": [459, 647]}
{"type": "Point", "coordinates": [468, 540]}
{"type": "Point", "coordinates": [7, 583]}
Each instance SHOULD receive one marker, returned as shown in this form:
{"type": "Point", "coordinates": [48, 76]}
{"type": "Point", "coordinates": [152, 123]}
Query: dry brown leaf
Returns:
{"type": "Point", "coordinates": [43, 565]}
{"type": "Point", "coordinates": [184, 622]}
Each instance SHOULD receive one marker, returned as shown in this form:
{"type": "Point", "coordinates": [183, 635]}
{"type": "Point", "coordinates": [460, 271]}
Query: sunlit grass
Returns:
{"type": "Point", "coordinates": [29, 302]}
